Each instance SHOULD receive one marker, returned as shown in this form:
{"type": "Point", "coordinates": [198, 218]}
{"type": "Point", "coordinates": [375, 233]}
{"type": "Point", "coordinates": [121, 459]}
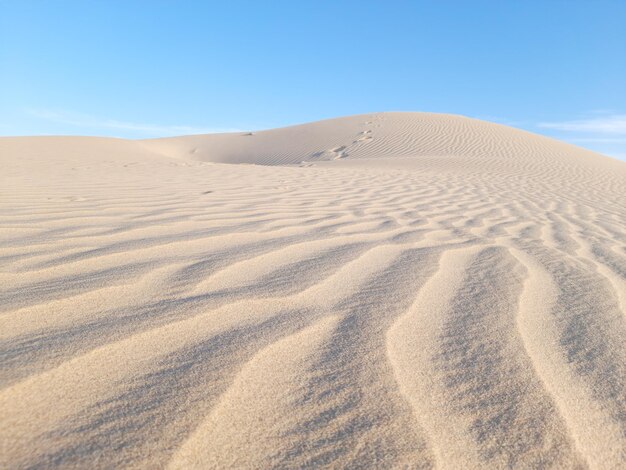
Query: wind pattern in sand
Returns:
{"type": "Point", "coordinates": [396, 290]}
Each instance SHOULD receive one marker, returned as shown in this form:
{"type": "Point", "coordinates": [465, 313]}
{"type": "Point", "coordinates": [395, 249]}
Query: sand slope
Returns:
{"type": "Point", "coordinates": [395, 290]}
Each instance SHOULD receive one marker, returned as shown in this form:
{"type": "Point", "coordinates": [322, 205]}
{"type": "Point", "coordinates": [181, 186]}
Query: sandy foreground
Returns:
{"type": "Point", "coordinates": [395, 290]}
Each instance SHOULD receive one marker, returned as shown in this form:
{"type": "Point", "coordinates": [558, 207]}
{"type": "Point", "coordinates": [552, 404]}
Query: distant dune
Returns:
{"type": "Point", "coordinates": [391, 290]}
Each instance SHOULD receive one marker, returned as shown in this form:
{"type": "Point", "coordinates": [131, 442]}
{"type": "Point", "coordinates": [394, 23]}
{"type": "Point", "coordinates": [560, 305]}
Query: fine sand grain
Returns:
{"type": "Point", "coordinates": [394, 290]}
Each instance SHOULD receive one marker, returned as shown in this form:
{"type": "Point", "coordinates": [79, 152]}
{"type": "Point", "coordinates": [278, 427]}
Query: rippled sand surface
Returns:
{"type": "Point", "coordinates": [395, 290]}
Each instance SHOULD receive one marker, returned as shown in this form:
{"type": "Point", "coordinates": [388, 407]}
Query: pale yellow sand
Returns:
{"type": "Point", "coordinates": [396, 290]}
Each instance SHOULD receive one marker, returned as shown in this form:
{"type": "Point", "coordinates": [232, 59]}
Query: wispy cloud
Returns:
{"type": "Point", "coordinates": [92, 122]}
{"type": "Point", "coordinates": [614, 124]}
{"type": "Point", "coordinates": [600, 130]}
{"type": "Point", "coordinates": [601, 140]}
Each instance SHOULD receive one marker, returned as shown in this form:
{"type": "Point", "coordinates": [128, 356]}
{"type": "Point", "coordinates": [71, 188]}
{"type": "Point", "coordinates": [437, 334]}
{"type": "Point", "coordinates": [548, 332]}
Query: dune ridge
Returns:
{"type": "Point", "coordinates": [391, 290]}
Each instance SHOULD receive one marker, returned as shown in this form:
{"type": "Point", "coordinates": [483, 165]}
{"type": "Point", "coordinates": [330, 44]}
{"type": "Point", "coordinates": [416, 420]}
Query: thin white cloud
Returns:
{"type": "Point", "coordinates": [93, 122]}
{"type": "Point", "coordinates": [614, 124]}
{"type": "Point", "coordinates": [601, 140]}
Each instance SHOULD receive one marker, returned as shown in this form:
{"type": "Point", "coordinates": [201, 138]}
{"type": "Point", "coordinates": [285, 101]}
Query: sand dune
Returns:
{"type": "Point", "coordinates": [394, 290]}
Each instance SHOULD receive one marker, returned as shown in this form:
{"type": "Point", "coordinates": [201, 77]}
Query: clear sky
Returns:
{"type": "Point", "coordinates": [152, 68]}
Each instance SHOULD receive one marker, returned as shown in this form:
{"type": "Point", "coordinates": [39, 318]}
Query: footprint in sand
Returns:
{"type": "Point", "coordinates": [340, 152]}
{"type": "Point", "coordinates": [364, 136]}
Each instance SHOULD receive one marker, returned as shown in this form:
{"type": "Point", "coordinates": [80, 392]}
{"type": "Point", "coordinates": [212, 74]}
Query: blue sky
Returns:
{"type": "Point", "coordinates": [144, 69]}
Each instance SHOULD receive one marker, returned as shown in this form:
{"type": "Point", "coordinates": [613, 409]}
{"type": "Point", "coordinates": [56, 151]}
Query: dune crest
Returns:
{"type": "Point", "coordinates": [390, 290]}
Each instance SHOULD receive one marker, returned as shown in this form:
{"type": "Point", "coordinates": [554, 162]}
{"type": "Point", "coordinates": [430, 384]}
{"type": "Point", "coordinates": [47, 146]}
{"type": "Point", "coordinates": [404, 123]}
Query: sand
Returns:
{"type": "Point", "coordinates": [394, 290]}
